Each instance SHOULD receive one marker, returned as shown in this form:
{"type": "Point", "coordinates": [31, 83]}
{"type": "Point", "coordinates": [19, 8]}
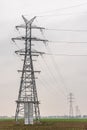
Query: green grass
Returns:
{"type": "Point", "coordinates": [7, 119]}
{"type": "Point", "coordinates": [63, 120]}
{"type": "Point", "coordinates": [52, 120]}
{"type": "Point", "coordinates": [46, 124]}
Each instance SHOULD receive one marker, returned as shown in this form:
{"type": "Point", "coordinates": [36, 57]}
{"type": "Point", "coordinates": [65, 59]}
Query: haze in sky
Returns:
{"type": "Point", "coordinates": [61, 73]}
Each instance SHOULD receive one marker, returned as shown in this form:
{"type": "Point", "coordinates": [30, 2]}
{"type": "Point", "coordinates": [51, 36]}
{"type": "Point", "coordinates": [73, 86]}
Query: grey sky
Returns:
{"type": "Point", "coordinates": [66, 74]}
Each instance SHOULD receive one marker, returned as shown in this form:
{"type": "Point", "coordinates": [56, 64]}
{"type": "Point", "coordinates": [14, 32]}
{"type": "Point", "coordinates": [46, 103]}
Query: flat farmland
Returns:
{"type": "Point", "coordinates": [46, 124]}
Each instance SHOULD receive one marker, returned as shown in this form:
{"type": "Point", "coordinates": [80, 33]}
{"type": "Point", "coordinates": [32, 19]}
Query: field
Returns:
{"type": "Point", "coordinates": [46, 124]}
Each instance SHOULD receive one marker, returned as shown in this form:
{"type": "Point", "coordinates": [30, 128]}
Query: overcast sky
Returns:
{"type": "Point", "coordinates": [60, 74]}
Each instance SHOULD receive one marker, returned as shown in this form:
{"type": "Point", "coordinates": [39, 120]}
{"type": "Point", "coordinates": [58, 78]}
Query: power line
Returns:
{"type": "Point", "coordinates": [65, 42]}
{"type": "Point", "coordinates": [53, 76]}
{"type": "Point", "coordinates": [58, 70]}
{"type": "Point", "coordinates": [62, 14]}
{"type": "Point", "coordinates": [64, 54]}
{"type": "Point", "coordinates": [65, 8]}
{"type": "Point", "coordinates": [70, 30]}
{"type": "Point", "coordinates": [47, 84]}
{"type": "Point", "coordinates": [62, 80]}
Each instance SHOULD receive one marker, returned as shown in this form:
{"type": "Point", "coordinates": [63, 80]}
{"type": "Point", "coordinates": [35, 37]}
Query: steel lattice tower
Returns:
{"type": "Point", "coordinates": [71, 105]}
{"type": "Point", "coordinates": [27, 103]}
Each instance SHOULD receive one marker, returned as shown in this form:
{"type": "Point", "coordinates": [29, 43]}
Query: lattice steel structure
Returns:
{"type": "Point", "coordinates": [27, 103]}
{"type": "Point", "coordinates": [71, 105]}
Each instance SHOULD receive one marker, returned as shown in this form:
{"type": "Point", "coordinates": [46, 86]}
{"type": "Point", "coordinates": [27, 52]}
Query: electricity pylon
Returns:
{"type": "Point", "coordinates": [77, 112]}
{"type": "Point", "coordinates": [70, 105]}
{"type": "Point", "coordinates": [27, 103]}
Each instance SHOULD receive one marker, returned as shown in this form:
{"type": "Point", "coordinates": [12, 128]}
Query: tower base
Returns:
{"type": "Point", "coordinates": [28, 113]}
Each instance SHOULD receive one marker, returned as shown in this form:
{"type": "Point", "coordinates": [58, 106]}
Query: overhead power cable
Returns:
{"type": "Point", "coordinates": [47, 13]}
{"type": "Point", "coordinates": [51, 74]}
{"type": "Point", "coordinates": [70, 30]}
{"type": "Point", "coordinates": [57, 70]}
{"type": "Point", "coordinates": [64, 54]}
{"type": "Point", "coordinates": [65, 42]}
{"type": "Point", "coordinates": [63, 14]}
{"type": "Point", "coordinates": [51, 12]}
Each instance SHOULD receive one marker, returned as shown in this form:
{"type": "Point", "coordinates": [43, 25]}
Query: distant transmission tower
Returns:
{"type": "Point", "coordinates": [78, 112]}
{"type": "Point", "coordinates": [71, 105]}
{"type": "Point", "coordinates": [27, 103]}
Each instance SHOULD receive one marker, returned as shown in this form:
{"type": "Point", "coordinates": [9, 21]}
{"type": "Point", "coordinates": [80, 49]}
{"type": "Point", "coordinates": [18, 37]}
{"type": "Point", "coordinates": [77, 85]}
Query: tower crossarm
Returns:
{"type": "Point", "coordinates": [28, 54]}
{"type": "Point", "coordinates": [28, 38]}
{"type": "Point", "coordinates": [20, 26]}
{"type": "Point", "coordinates": [29, 71]}
{"type": "Point", "coordinates": [38, 39]}
{"type": "Point", "coordinates": [33, 27]}
{"type": "Point", "coordinates": [37, 53]}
